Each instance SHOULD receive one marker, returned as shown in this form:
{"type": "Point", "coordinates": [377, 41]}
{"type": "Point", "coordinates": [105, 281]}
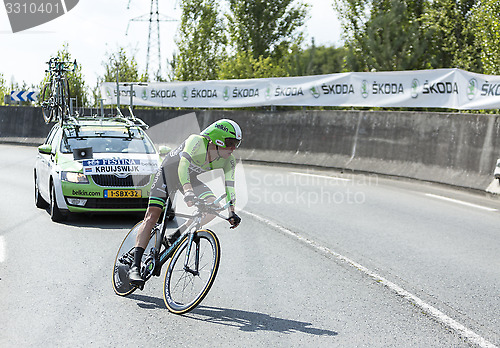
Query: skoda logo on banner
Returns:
{"type": "Point", "coordinates": [472, 89]}
{"type": "Point", "coordinates": [185, 91]}
{"type": "Point", "coordinates": [225, 93]}
{"type": "Point", "coordinates": [315, 91]}
{"type": "Point", "coordinates": [268, 91]}
{"type": "Point", "coordinates": [364, 89]}
{"type": "Point", "coordinates": [414, 88]}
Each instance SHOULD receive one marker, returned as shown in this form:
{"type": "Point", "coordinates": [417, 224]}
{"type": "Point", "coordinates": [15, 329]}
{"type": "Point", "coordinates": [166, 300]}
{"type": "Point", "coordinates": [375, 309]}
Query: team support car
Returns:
{"type": "Point", "coordinates": [92, 165]}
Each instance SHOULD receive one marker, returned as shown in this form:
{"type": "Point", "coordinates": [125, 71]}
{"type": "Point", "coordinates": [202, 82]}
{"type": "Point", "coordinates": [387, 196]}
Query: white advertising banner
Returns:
{"type": "Point", "coordinates": [440, 88]}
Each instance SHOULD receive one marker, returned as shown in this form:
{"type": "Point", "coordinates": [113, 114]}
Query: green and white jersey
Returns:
{"type": "Point", "coordinates": [193, 161]}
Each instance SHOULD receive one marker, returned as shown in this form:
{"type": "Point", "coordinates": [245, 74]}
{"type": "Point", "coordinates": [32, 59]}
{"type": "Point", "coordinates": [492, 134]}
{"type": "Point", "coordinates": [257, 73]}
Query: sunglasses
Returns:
{"type": "Point", "coordinates": [232, 142]}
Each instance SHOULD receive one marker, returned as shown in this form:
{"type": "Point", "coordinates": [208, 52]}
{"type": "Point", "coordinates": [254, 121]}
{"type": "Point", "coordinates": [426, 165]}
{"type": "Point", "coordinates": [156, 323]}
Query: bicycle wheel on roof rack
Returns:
{"type": "Point", "coordinates": [48, 101]}
{"type": "Point", "coordinates": [66, 96]}
{"type": "Point", "coordinates": [64, 101]}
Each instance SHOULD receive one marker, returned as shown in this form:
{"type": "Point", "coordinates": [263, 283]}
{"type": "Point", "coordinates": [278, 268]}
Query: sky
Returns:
{"type": "Point", "coordinates": [95, 27]}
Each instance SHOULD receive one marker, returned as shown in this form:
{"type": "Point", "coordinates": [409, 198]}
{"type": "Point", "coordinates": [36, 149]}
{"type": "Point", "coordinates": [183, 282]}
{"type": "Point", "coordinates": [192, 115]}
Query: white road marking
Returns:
{"type": "Point", "coordinates": [3, 252]}
{"type": "Point", "coordinates": [321, 176]}
{"type": "Point", "coordinates": [452, 324]}
{"type": "Point", "coordinates": [460, 202]}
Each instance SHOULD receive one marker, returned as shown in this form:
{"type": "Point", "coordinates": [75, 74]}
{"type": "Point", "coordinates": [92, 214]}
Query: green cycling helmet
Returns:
{"type": "Point", "coordinates": [223, 133]}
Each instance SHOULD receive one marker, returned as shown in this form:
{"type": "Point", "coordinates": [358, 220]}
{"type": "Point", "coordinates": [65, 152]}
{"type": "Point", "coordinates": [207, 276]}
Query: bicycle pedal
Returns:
{"type": "Point", "coordinates": [140, 287]}
{"type": "Point", "coordinates": [157, 272]}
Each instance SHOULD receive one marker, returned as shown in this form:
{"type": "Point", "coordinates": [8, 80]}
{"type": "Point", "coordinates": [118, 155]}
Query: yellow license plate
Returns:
{"type": "Point", "coordinates": [122, 193]}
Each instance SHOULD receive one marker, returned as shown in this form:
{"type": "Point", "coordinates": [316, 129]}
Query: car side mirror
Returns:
{"type": "Point", "coordinates": [46, 149]}
{"type": "Point", "coordinates": [164, 150]}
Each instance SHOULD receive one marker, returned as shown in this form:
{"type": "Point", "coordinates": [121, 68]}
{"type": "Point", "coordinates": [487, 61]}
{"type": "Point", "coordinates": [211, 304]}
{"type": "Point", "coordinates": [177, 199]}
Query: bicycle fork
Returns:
{"type": "Point", "coordinates": [194, 271]}
{"type": "Point", "coordinates": [191, 238]}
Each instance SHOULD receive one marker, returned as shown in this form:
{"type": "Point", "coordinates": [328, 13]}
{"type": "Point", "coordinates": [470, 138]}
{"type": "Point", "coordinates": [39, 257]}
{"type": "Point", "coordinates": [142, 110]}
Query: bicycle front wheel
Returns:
{"type": "Point", "coordinates": [47, 101]}
{"type": "Point", "coordinates": [188, 280]}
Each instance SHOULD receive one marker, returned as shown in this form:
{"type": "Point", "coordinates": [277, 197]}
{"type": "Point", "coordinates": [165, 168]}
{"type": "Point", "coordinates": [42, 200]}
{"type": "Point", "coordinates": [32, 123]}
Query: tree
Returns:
{"type": "Point", "coordinates": [486, 21]}
{"type": "Point", "coordinates": [452, 35]}
{"type": "Point", "coordinates": [267, 28]}
{"type": "Point", "coordinates": [411, 34]}
{"type": "Point", "coordinates": [201, 41]}
{"type": "Point", "coordinates": [318, 60]}
{"type": "Point", "coordinates": [127, 68]}
{"type": "Point", "coordinates": [389, 38]}
{"type": "Point", "coordinates": [3, 89]}
{"type": "Point", "coordinates": [244, 66]}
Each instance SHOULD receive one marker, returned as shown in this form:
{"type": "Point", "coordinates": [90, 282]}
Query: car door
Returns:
{"type": "Point", "coordinates": [44, 164]}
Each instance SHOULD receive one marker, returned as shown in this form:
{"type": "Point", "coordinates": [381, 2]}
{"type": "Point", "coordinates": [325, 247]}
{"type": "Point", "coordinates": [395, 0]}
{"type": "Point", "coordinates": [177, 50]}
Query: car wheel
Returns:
{"type": "Point", "coordinates": [39, 201]}
{"type": "Point", "coordinates": [55, 212]}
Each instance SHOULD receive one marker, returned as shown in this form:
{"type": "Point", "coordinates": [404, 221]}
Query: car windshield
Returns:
{"type": "Point", "coordinates": [112, 140]}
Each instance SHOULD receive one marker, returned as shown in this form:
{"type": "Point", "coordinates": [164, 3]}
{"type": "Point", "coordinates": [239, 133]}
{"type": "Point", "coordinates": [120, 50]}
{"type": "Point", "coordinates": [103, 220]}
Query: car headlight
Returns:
{"type": "Point", "coordinates": [76, 178]}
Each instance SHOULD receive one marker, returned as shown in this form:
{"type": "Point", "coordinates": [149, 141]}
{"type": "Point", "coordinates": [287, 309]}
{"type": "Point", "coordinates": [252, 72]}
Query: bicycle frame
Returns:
{"type": "Point", "coordinates": [155, 260]}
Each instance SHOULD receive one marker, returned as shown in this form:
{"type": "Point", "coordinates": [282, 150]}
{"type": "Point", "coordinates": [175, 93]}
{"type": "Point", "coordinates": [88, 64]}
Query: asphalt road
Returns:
{"type": "Point", "coordinates": [320, 259]}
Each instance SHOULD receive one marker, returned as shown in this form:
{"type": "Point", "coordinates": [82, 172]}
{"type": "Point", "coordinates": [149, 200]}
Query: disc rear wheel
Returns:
{"type": "Point", "coordinates": [124, 260]}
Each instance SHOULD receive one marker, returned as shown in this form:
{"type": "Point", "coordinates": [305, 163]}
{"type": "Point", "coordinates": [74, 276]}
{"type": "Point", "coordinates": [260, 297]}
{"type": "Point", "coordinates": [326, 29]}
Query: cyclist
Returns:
{"type": "Point", "coordinates": [211, 149]}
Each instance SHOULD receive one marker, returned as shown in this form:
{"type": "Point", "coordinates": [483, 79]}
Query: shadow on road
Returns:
{"type": "Point", "coordinates": [253, 321]}
{"type": "Point", "coordinates": [148, 302]}
{"type": "Point", "coordinates": [243, 320]}
{"type": "Point", "coordinates": [103, 221]}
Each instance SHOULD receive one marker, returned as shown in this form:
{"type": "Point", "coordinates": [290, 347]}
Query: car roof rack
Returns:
{"type": "Point", "coordinates": [128, 121]}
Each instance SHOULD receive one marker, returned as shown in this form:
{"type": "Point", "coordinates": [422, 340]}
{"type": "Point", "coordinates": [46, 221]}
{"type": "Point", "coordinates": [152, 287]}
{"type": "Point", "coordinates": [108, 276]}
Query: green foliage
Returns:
{"type": "Point", "coordinates": [127, 68]}
{"type": "Point", "coordinates": [201, 42]}
{"type": "Point", "coordinates": [3, 89]}
{"type": "Point", "coordinates": [264, 37]}
{"type": "Point", "coordinates": [266, 28]}
{"type": "Point", "coordinates": [96, 95]}
{"type": "Point", "coordinates": [451, 35]}
{"type": "Point", "coordinates": [486, 21]}
{"type": "Point", "coordinates": [318, 60]}
{"type": "Point", "coordinates": [244, 66]}
{"type": "Point", "coordinates": [416, 34]}
{"type": "Point", "coordinates": [390, 38]}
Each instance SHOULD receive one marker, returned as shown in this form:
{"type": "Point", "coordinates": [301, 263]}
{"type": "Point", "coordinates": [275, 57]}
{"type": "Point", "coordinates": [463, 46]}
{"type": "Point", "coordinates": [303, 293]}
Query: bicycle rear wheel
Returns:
{"type": "Point", "coordinates": [124, 259]}
{"type": "Point", "coordinates": [47, 101]}
{"type": "Point", "coordinates": [185, 287]}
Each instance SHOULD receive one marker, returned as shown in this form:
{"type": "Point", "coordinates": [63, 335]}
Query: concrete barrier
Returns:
{"type": "Point", "coordinates": [22, 125]}
{"type": "Point", "coordinates": [451, 148]}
